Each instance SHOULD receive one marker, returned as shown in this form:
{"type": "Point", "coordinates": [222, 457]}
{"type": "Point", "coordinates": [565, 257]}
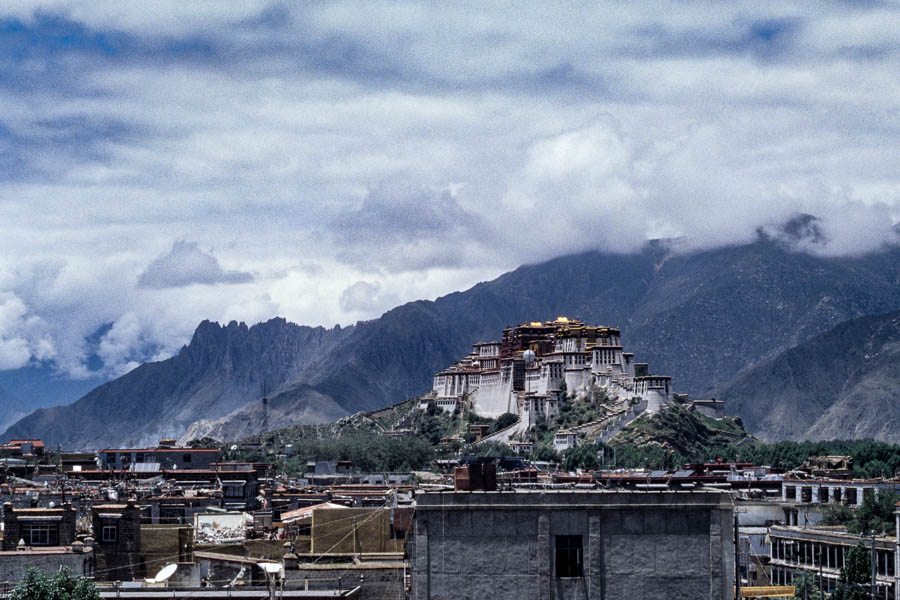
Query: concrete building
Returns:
{"type": "Point", "coordinates": [824, 491]}
{"type": "Point", "coordinates": [573, 544]}
{"type": "Point", "coordinates": [822, 552]}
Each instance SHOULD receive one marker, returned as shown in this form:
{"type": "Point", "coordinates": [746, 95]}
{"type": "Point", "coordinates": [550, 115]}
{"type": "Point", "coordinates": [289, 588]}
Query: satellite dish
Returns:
{"type": "Point", "coordinates": [234, 447]}
{"type": "Point", "coordinates": [164, 573]}
{"type": "Point", "coordinates": [271, 568]}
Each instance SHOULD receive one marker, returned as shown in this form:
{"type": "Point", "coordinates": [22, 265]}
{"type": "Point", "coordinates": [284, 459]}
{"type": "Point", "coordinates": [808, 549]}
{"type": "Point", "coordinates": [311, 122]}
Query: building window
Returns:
{"type": "Point", "coordinates": [569, 556]}
{"type": "Point", "coordinates": [186, 458]}
{"type": "Point", "coordinates": [396, 534]}
{"type": "Point", "coordinates": [234, 491]}
{"type": "Point", "coordinates": [110, 532]}
{"type": "Point", "coordinates": [39, 535]}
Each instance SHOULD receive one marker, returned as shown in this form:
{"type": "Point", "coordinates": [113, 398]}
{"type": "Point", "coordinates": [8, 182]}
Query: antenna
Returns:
{"type": "Point", "coordinates": [265, 405]}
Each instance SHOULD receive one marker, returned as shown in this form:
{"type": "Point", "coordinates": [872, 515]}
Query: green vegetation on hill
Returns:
{"type": "Point", "coordinates": [687, 433]}
{"type": "Point", "coordinates": [365, 439]}
{"type": "Point", "coordinates": [665, 440]}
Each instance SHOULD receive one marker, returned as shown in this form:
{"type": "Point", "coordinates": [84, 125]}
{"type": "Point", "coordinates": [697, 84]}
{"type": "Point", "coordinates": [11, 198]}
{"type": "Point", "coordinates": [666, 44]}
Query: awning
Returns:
{"type": "Point", "coordinates": [768, 591]}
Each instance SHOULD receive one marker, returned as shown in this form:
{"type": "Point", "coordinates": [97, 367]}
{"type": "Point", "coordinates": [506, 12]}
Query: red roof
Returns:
{"type": "Point", "coordinates": [34, 443]}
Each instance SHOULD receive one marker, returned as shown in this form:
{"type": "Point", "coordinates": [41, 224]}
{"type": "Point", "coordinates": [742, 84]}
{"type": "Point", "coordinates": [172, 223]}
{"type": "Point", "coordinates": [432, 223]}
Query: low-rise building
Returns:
{"type": "Point", "coordinates": [38, 527]}
{"type": "Point", "coordinates": [564, 439]}
{"type": "Point", "coordinates": [573, 544]}
{"type": "Point", "coordinates": [166, 456]}
{"type": "Point", "coordinates": [822, 491]}
{"type": "Point", "coordinates": [23, 448]}
{"type": "Point", "coordinates": [822, 552]}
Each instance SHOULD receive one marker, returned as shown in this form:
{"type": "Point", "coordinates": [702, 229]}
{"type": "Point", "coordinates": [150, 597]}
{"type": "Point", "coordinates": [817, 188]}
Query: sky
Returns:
{"type": "Point", "coordinates": [167, 162]}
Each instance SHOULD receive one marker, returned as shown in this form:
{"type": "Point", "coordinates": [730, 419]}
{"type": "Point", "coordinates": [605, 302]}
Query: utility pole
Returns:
{"type": "Point", "coordinates": [874, 566]}
{"type": "Point", "coordinates": [821, 577]}
{"type": "Point", "coordinates": [737, 560]}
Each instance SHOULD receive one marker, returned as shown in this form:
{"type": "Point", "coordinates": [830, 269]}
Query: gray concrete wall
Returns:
{"type": "Point", "coordinates": [646, 545]}
{"type": "Point", "coordinates": [375, 583]}
{"type": "Point", "coordinates": [13, 564]}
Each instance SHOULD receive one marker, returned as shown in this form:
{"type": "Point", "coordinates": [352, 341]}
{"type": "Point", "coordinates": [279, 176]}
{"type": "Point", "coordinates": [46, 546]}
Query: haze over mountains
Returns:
{"type": "Point", "coordinates": [843, 383]}
{"type": "Point", "coordinates": [706, 318]}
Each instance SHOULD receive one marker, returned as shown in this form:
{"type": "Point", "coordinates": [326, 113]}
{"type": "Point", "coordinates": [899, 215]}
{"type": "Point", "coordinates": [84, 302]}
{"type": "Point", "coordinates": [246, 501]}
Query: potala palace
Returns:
{"type": "Point", "coordinates": [536, 365]}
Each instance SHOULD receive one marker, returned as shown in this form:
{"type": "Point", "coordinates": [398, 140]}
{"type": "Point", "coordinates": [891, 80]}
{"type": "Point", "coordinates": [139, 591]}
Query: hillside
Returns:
{"type": "Point", "coordinates": [702, 317]}
{"type": "Point", "coordinates": [679, 430]}
{"type": "Point", "coordinates": [841, 384]}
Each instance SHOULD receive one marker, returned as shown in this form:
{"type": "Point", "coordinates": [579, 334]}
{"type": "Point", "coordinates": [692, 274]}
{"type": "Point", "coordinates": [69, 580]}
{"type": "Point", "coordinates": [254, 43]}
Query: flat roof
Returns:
{"type": "Point", "coordinates": [571, 499]}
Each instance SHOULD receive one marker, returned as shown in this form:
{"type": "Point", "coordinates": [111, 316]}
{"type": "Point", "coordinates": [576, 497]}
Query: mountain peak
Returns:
{"type": "Point", "coordinates": [800, 230]}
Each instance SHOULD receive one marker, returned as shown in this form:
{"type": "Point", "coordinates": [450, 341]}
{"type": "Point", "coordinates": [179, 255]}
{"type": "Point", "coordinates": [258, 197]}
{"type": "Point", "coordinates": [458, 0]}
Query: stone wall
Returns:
{"type": "Point", "coordinates": [645, 545]}
{"type": "Point", "coordinates": [13, 564]}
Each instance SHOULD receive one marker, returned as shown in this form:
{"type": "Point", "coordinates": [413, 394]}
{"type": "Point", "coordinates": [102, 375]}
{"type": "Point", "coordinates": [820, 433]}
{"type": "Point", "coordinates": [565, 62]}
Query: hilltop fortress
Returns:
{"type": "Point", "coordinates": [535, 365]}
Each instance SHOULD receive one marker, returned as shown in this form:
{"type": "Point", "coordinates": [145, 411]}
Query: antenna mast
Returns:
{"type": "Point", "coordinates": [265, 404]}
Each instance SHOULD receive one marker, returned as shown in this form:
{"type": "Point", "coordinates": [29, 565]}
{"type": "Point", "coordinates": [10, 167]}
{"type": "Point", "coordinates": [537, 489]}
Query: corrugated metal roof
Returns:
{"type": "Point", "coordinates": [147, 467]}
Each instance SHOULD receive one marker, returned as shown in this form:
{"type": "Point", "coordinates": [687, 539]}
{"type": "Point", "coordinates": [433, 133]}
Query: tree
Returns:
{"type": "Point", "coordinates": [503, 421]}
{"type": "Point", "coordinates": [545, 453]}
{"type": "Point", "coordinates": [855, 576]}
{"type": "Point", "coordinates": [36, 585]}
{"type": "Point", "coordinates": [837, 514]}
{"type": "Point", "coordinates": [583, 456]}
{"type": "Point", "coordinates": [875, 514]}
{"type": "Point", "coordinates": [805, 585]}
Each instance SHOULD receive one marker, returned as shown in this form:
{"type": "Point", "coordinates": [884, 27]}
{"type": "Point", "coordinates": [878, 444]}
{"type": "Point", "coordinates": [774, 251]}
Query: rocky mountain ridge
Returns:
{"type": "Point", "coordinates": [703, 317]}
{"type": "Point", "coordinates": [843, 383]}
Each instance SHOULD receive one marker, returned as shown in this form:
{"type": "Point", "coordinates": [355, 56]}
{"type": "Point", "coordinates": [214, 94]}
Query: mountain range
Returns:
{"type": "Point", "coordinates": [842, 384]}
{"type": "Point", "coordinates": [707, 318]}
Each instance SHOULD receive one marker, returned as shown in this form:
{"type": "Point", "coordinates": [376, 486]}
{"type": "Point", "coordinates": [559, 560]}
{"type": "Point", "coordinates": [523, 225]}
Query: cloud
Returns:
{"type": "Point", "coordinates": [121, 348]}
{"type": "Point", "coordinates": [366, 297]}
{"type": "Point", "coordinates": [186, 264]}
{"type": "Point", "coordinates": [356, 155]}
{"type": "Point", "coordinates": [400, 227]}
{"type": "Point", "coordinates": [22, 336]}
